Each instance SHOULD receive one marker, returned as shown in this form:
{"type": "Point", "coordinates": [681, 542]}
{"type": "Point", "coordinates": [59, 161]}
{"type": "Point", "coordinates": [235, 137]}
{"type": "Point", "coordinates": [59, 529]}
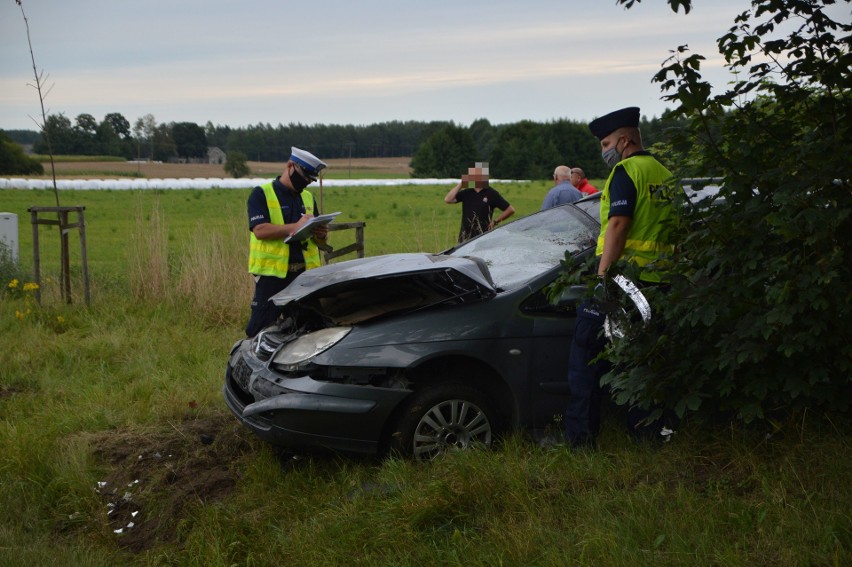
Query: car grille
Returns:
{"type": "Point", "coordinates": [267, 342]}
{"type": "Point", "coordinates": [241, 374]}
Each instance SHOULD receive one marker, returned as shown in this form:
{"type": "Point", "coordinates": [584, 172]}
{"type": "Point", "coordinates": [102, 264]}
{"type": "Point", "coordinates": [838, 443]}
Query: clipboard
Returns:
{"type": "Point", "coordinates": [308, 228]}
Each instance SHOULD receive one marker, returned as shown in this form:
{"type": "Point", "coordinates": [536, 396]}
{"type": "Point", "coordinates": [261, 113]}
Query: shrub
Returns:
{"type": "Point", "coordinates": [758, 319]}
{"type": "Point", "coordinates": [13, 161]}
{"type": "Point", "coordinates": [236, 164]}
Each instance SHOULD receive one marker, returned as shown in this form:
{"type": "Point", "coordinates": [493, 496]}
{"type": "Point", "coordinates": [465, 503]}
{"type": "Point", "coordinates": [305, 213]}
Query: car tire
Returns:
{"type": "Point", "coordinates": [442, 417]}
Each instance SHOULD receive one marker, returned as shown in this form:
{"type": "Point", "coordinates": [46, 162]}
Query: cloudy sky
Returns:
{"type": "Point", "coordinates": [242, 62]}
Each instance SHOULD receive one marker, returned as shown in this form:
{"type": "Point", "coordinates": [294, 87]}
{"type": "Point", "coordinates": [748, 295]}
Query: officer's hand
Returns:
{"type": "Point", "coordinates": [301, 222]}
{"type": "Point", "coordinates": [602, 295]}
{"type": "Point", "coordinates": [321, 232]}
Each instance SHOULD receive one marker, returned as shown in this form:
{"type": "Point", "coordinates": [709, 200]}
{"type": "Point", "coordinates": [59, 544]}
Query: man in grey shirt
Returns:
{"type": "Point", "coordinates": [563, 192]}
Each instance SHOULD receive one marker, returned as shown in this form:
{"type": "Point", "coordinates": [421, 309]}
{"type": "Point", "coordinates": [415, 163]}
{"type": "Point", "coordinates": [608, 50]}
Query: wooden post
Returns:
{"type": "Point", "coordinates": [65, 259]}
{"type": "Point", "coordinates": [84, 256]}
{"type": "Point", "coordinates": [36, 258]}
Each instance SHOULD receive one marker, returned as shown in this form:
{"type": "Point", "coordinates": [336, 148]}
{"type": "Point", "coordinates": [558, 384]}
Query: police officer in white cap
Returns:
{"type": "Point", "coordinates": [276, 210]}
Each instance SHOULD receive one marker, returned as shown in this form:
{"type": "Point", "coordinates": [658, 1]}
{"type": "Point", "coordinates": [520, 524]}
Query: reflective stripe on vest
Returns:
{"type": "Point", "coordinates": [271, 257]}
{"type": "Point", "coordinates": [648, 236]}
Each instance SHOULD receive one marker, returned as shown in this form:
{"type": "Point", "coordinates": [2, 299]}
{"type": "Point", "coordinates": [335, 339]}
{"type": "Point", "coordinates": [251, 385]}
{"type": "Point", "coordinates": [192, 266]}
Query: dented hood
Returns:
{"type": "Point", "coordinates": [353, 291]}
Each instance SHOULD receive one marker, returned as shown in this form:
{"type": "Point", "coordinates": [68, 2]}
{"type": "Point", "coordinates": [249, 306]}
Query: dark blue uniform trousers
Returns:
{"type": "Point", "coordinates": [263, 311]}
{"type": "Point", "coordinates": [583, 414]}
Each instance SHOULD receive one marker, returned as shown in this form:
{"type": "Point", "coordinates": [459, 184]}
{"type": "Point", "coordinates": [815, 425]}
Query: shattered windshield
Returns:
{"type": "Point", "coordinates": [521, 250]}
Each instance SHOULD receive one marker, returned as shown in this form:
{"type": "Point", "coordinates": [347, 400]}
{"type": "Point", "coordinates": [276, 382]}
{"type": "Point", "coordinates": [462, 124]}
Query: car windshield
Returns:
{"type": "Point", "coordinates": [519, 251]}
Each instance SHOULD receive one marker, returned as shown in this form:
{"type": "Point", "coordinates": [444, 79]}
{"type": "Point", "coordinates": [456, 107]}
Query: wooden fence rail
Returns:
{"type": "Point", "coordinates": [358, 246]}
{"type": "Point", "coordinates": [64, 227]}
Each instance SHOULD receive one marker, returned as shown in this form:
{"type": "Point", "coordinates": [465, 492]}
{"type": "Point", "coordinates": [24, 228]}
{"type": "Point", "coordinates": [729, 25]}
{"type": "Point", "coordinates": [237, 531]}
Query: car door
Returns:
{"type": "Point", "coordinates": [552, 329]}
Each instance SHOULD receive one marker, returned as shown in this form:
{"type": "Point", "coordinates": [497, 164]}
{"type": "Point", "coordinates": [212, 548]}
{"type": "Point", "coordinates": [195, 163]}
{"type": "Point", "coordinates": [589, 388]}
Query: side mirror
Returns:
{"type": "Point", "coordinates": [571, 296]}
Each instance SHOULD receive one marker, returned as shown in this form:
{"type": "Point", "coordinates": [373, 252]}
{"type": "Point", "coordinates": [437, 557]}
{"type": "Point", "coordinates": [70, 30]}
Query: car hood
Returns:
{"type": "Point", "coordinates": [355, 291]}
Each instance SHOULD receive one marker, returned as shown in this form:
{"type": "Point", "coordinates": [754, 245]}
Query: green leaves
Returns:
{"type": "Point", "coordinates": [676, 5]}
{"type": "Point", "coordinates": [758, 319]}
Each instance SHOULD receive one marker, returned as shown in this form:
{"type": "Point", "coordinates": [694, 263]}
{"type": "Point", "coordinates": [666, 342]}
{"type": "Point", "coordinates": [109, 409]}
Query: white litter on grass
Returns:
{"type": "Point", "coordinates": [133, 514]}
{"type": "Point", "coordinates": [132, 483]}
{"type": "Point", "coordinates": [118, 531]}
{"type": "Point", "coordinates": [127, 496]}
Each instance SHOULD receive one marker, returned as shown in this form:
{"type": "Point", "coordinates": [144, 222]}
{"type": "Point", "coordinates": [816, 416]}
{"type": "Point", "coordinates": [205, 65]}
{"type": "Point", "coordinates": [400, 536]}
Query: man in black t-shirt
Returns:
{"type": "Point", "coordinates": [478, 203]}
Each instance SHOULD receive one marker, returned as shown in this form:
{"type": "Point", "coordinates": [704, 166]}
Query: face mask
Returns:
{"type": "Point", "coordinates": [611, 156]}
{"type": "Point", "coordinates": [298, 182]}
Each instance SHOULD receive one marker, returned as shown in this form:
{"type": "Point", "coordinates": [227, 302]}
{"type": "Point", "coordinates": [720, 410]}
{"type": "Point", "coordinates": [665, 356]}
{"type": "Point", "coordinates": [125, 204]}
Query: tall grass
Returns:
{"type": "Point", "coordinates": [204, 272]}
{"type": "Point", "coordinates": [212, 276]}
{"type": "Point", "coordinates": [148, 258]}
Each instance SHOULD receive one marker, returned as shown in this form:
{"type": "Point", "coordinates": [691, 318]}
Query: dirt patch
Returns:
{"type": "Point", "coordinates": [155, 476]}
{"type": "Point", "coordinates": [8, 391]}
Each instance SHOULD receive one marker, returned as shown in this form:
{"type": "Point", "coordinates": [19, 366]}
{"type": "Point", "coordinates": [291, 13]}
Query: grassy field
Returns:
{"type": "Point", "coordinates": [116, 446]}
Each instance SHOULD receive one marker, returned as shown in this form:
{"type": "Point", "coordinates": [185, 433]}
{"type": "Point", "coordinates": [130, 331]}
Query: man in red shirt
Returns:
{"type": "Point", "coordinates": [578, 180]}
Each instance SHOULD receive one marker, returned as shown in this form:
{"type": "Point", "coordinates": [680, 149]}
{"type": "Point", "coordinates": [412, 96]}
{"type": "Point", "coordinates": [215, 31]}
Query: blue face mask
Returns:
{"type": "Point", "coordinates": [611, 156]}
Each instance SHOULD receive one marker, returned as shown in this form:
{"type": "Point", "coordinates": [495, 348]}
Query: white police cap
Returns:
{"type": "Point", "coordinates": [310, 163]}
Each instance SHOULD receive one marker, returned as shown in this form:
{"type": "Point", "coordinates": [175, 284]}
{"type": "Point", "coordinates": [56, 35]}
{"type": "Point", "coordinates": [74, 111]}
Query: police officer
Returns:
{"type": "Point", "coordinates": [635, 208]}
{"type": "Point", "coordinates": [276, 210]}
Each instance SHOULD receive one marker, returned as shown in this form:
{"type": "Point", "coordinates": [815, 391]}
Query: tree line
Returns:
{"type": "Point", "coordinates": [521, 150]}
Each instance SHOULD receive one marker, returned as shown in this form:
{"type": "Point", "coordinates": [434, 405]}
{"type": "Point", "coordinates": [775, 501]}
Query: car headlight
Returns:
{"type": "Point", "coordinates": [308, 346]}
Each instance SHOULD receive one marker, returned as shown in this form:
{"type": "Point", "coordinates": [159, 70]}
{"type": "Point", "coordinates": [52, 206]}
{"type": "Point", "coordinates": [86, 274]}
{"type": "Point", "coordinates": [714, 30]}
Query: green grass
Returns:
{"type": "Point", "coordinates": [127, 392]}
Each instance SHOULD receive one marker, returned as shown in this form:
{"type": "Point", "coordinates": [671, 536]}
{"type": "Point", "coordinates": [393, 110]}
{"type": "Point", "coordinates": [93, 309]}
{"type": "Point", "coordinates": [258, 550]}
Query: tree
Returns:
{"type": "Point", "coordinates": [525, 150]}
{"type": "Point", "coordinates": [107, 140]}
{"type": "Point", "coordinates": [13, 161]}
{"type": "Point", "coordinates": [448, 152]}
{"type": "Point", "coordinates": [189, 139]}
{"type": "Point", "coordinates": [758, 319]}
{"type": "Point", "coordinates": [162, 144]}
{"type": "Point", "coordinates": [58, 131]}
{"type": "Point", "coordinates": [85, 135]}
{"type": "Point", "coordinates": [484, 136]}
{"type": "Point", "coordinates": [143, 130]}
{"type": "Point", "coordinates": [236, 165]}
{"type": "Point", "coordinates": [119, 124]}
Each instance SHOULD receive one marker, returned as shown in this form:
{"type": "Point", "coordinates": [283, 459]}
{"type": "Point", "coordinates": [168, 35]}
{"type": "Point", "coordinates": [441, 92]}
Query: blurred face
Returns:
{"type": "Point", "coordinates": [478, 176]}
{"type": "Point", "coordinates": [576, 178]}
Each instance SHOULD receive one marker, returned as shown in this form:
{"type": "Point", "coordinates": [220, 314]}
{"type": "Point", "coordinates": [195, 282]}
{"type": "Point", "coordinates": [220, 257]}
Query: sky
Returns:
{"type": "Point", "coordinates": [244, 62]}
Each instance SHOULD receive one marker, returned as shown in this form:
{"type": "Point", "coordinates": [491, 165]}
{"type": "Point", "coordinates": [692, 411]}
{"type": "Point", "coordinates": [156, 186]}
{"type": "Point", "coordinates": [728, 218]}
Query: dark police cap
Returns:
{"type": "Point", "coordinates": [609, 123]}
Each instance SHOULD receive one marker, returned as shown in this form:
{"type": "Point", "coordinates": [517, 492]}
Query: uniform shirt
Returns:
{"type": "Point", "coordinates": [292, 209]}
{"type": "Point", "coordinates": [477, 209]}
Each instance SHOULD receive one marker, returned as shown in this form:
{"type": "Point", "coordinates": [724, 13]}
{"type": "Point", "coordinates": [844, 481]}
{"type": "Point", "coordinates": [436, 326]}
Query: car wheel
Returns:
{"type": "Point", "coordinates": [442, 417]}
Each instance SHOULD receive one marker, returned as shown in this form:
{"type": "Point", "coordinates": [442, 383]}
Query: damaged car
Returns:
{"type": "Point", "coordinates": [416, 354]}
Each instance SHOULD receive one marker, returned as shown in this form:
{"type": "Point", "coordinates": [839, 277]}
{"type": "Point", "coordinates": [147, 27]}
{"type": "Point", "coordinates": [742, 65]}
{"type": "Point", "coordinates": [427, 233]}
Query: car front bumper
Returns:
{"type": "Point", "coordinates": [301, 413]}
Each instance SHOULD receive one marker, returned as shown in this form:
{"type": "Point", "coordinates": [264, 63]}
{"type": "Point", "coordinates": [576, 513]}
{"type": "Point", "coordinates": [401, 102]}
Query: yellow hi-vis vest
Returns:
{"type": "Point", "coordinates": [271, 257]}
{"type": "Point", "coordinates": [648, 237]}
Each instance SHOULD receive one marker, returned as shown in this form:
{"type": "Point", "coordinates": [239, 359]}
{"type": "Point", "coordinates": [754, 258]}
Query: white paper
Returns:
{"type": "Point", "coordinates": [308, 228]}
